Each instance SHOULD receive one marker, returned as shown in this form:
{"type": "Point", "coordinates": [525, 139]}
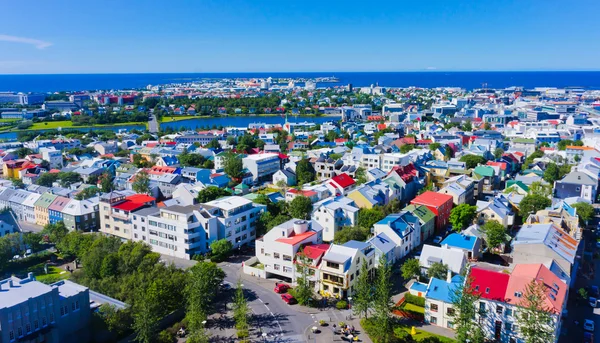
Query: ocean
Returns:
{"type": "Point", "coordinates": [430, 79]}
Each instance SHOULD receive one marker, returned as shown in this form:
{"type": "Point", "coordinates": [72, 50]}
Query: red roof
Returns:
{"type": "Point", "coordinates": [424, 141]}
{"type": "Point", "coordinates": [408, 140]}
{"type": "Point", "coordinates": [307, 194]}
{"type": "Point", "coordinates": [294, 238]}
{"type": "Point", "coordinates": [341, 140]}
{"type": "Point", "coordinates": [343, 180]}
{"type": "Point", "coordinates": [501, 165]}
{"type": "Point", "coordinates": [489, 284]}
{"type": "Point", "coordinates": [432, 199]}
{"type": "Point", "coordinates": [406, 172]}
{"type": "Point", "coordinates": [140, 198]}
{"type": "Point", "coordinates": [129, 205]}
{"type": "Point", "coordinates": [314, 251]}
{"type": "Point", "coordinates": [54, 171]}
{"type": "Point", "coordinates": [283, 156]}
{"type": "Point", "coordinates": [381, 126]}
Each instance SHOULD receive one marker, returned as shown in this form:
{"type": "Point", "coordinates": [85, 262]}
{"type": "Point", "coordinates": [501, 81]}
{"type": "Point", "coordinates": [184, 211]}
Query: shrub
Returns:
{"type": "Point", "coordinates": [403, 335]}
{"type": "Point", "coordinates": [166, 337]}
{"type": "Point", "coordinates": [341, 305]}
{"type": "Point", "coordinates": [243, 334]}
{"type": "Point", "coordinates": [415, 300]}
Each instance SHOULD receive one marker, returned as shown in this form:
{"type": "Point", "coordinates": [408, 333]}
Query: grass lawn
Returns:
{"type": "Point", "coordinates": [54, 273]}
{"type": "Point", "coordinates": [412, 307]}
{"type": "Point", "coordinates": [65, 124]}
{"type": "Point", "coordinates": [8, 120]}
{"type": "Point", "coordinates": [421, 335]}
{"type": "Point", "coordinates": [169, 119]}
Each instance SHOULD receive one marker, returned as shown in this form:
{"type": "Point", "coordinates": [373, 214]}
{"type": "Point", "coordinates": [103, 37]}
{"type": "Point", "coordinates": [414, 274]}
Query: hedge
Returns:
{"type": "Point", "coordinates": [415, 300]}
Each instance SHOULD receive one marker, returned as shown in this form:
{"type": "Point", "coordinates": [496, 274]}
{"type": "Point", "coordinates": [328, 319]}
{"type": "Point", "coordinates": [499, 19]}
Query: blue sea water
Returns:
{"type": "Point", "coordinates": [468, 80]}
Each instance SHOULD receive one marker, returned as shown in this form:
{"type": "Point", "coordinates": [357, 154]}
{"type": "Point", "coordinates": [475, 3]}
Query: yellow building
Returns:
{"type": "Point", "coordinates": [42, 215]}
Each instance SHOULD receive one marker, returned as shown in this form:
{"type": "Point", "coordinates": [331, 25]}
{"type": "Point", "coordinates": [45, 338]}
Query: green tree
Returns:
{"type": "Point", "coordinates": [406, 148]}
{"type": "Point", "coordinates": [141, 183]}
{"type": "Point", "coordinates": [368, 217]}
{"type": "Point", "coordinates": [301, 207]}
{"type": "Point", "coordinates": [233, 165]}
{"type": "Point", "coordinates": [146, 314]}
{"type": "Point", "coordinates": [351, 233]}
{"type": "Point", "coordinates": [17, 183]}
{"type": "Point", "coordinates": [462, 216]}
{"type": "Point", "coordinates": [303, 291]}
{"type": "Point", "coordinates": [535, 322]}
{"type": "Point", "coordinates": [106, 182]}
{"type": "Point", "coordinates": [221, 247]}
{"type": "Point", "coordinates": [487, 126]}
{"type": "Point", "coordinates": [305, 172]}
{"type": "Point", "coordinates": [434, 146]}
{"type": "Point", "coordinates": [473, 161]}
{"type": "Point", "coordinates": [110, 265]}
{"type": "Point", "coordinates": [382, 302]}
{"type": "Point", "coordinates": [361, 176]}
{"type": "Point", "coordinates": [191, 160]}
{"type": "Point", "coordinates": [87, 193]}
{"type": "Point", "coordinates": [551, 173]}
{"type": "Point", "coordinates": [468, 127]}
{"type": "Point", "coordinates": [411, 268]}
{"type": "Point", "coordinates": [498, 153]}
{"type": "Point", "coordinates": [463, 304]}
{"type": "Point", "coordinates": [240, 310]}
{"type": "Point", "coordinates": [55, 232]}
{"type": "Point", "coordinates": [214, 144]}
{"type": "Point", "coordinates": [117, 321]}
{"type": "Point", "coordinates": [202, 281]}
{"type": "Point", "coordinates": [585, 212]}
{"type": "Point", "coordinates": [437, 270]}
{"type": "Point", "coordinates": [541, 189]}
{"type": "Point", "coordinates": [68, 178]}
{"type": "Point", "coordinates": [533, 203]}
{"type": "Point", "coordinates": [211, 193]}
{"type": "Point", "coordinates": [47, 179]}
{"type": "Point", "coordinates": [495, 233]}
{"type": "Point", "coordinates": [363, 293]}
{"type": "Point", "coordinates": [562, 145]}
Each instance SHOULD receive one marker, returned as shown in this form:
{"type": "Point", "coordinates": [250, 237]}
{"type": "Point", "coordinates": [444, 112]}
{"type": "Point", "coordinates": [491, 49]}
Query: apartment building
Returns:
{"type": "Point", "coordinates": [277, 249]}
{"type": "Point", "coordinates": [236, 218]}
{"type": "Point", "coordinates": [404, 229]}
{"type": "Point", "coordinates": [262, 166]}
{"type": "Point", "coordinates": [341, 266]}
{"type": "Point", "coordinates": [117, 209]}
{"type": "Point", "coordinates": [82, 215]}
{"type": "Point", "coordinates": [326, 167]}
{"type": "Point", "coordinates": [53, 156]}
{"type": "Point", "coordinates": [334, 213]}
{"type": "Point", "coordinates": [42, 213]}
{"type": "Point", "coordinates": [179, 231]}
{"type": "Point", "coordinates": [31, 311]}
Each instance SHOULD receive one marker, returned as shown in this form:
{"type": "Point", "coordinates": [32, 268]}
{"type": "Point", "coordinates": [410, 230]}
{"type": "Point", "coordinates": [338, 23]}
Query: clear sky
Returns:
{"type": "Point", "coordinates": [133, 36]}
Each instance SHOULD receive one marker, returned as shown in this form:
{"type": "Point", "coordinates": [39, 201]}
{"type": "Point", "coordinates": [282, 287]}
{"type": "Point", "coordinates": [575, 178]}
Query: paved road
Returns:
{"type": "Point", "coordinates": [153, 125]}
{"type": "Point", "coordinates": [29, 227]}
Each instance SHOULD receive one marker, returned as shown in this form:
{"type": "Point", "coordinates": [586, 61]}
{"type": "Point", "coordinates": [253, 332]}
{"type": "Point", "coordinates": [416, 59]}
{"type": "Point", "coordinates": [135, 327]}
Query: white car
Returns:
{"type": "Point", "coordinates": [588, 325]}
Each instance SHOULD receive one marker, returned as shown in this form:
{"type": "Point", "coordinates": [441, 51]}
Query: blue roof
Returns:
{"type": "Point", "coordinates": [356, 245]}
{"type": "Point", "coordinates": [419, 287]}
{"type": "Point", "coordinates": [442, 290]}
{"type": "Point", "coordinates": [460, 241]}
{"type": "Point", "coordinates": [382, 243]}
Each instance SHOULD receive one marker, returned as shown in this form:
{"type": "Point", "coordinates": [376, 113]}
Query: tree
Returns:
{"type": "Point", "coordinates": [202, 281]}
{"type": "Point", "coordinates": [55, 232]}
{"type": "Point", "coordinates": [87, 193]}
{"type": "Point", "coordinates": [47, 179]}
{"type": "Point", "coordinates": [351, 233]}
{"type": "Point", "coordinates": [214, 144]}
{"type": "Point", "coordinates": [551, 173]}
{"type": "Point", "coordinates": [437, 270]}
{"type": "Point", "coordinates": [363, 293]}
{"type": "Point", "coordinates": [495, 233]}
{"type": "Point", "coordinates": [406, 148]}
{"type": "Point", "coordinates": [541, 189]}
{"type": "Point", "coordinates": [487, 126]}
{"type": "Point", "coordinates": [146, 314]}
{"type": "Point", "coordinates": [117, 321]}
{"type": "Point", "coordinates": [106, 182]}
{"type": "Point", "coordinates": [562, 145]}
{"type": "Point", "coordinates": [361, 176]}
{"type": "Point", "coordinates": [191, 160]}
{"type": "Point", "coordinates": [211, 193]}
{"type": "Point", "coordinates": [301, 207]}
{"type": "Point", "coordinates": [382, 302]}
{"type": "Point", "coordinates": [141, 183]}
{"type": "Point", "coordinates": [233, 165]}
{"type": "Point", "coordinates": [448, 153]}
{"type": "Point", "coordinates": [468, 127]}
{"type": "Point", "coordinates": [305, 173]}
{"type": "Point", "coordinates": [533, 203]}
{"type": "Point", "coordinates": [221, 247]}
{"type": "Point", "coordinates": [240, 311]}
{"type": "Point", "coordinates": [368, 217]}
{"type": "Point", "coordinates": [462, 216]}
{"type": "Point", "coordinates": [463, 304]}
{"type": "Point", "coordinates": [411, 268]}
{"type": "Point", "coordinates": [536, 323]}
{"type": "Point", "coordinates": [585, 212]}
{"type": "Point", "coordinates": [473, 161]}
{"type": "Point", "coordinates": [22, 152]}
{"type": "Point", "coordinates": [17, 183]}
{"type": "Point", "coordinates": [434, 146]}
{"type": "Point", "coordinates": [303, 291]}
{"type": "Point", "coordinates": [498, 153]}
{"type": "Point", "coordinates": [68, 178]}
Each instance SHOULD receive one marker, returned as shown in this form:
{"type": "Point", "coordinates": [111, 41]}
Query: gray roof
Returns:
{"type": "Point", "coordinates": [579, 178]}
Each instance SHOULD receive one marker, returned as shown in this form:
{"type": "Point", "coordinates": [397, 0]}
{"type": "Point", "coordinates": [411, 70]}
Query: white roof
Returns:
{"type": "Point", "coordinates": [31, 199]}
{"type": "Point", "coordinates": [229, 203]}
{"type": "Point", "coordinates": [258, 157]}
{"type": "Point", "coordinates": [21, 291]}
{"type": "Point", "coordinates": [454, 258]}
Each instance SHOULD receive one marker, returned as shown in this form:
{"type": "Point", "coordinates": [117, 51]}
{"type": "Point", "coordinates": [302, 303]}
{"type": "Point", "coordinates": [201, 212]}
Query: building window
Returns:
{"type": "Point", "coordinates": [276, 266]}
{"type": "Point", "coordinates": [51, 317]}
{"type": "Point", "coordinates": [508, 326]}
{"type": "Point", "coordinates": [28, 328]}
{"type": "Point", "coordinates": [276, 255]}
{"type": "Point", "coordinates": [499, 309]}
{"type": "Point", "coordinates": [44, 321]}
{"type": "Point", "coordinates": [333, 265]}
{"type": "Point", "coordinates": [450, 311]}
{"type": "Point", "coordinates": [433, 307]}
{"type": "Point", "coordinates": [11, 335]}
{"type": "Point", "coordinates": [433, 320]}
{"type": "Point", "coordinates": [508, 312]}
{"type": "Point", "coordinates": [36, 325]}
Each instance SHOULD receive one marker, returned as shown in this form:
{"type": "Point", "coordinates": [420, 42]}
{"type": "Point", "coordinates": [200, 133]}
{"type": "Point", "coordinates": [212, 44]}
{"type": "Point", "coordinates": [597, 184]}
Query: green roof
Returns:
{"type": "Point", "coordinates": [523, 140]}
{"type": "Point", "coordinates": [484, 171]}
{"type": "Point", "coordinates": [45, 200]}
{"type": "Point", "coordinates": [242, 186]}
{"type": "Point", "coordinates": [535, 171]}
{"type": "Point", "coordinates": [519, 184]}
{"type": "Point", "coordinates": [421, 211]}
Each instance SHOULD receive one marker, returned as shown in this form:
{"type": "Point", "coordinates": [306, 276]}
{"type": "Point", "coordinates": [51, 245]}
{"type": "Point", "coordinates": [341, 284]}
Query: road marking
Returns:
{"type": "Point", "coordinates": [276, 321]}
{"type": "Point", "coordinates": [259, 299]}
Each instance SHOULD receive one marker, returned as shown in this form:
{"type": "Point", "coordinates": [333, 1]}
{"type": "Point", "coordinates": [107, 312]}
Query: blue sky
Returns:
{"type": "Point", "coordinates": [287, 35]}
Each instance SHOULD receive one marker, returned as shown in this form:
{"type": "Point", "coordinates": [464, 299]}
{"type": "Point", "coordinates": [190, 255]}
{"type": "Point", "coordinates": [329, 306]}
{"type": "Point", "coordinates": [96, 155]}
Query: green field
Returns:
{"type": "Point", "coordinates": [67, 124]}
{"type": "Point", "coordinates": [421, 335]}
{"type": "Point", "coordinates": [54, 273]}
{"type": "Point", "coordinates": [8, 120]}
{"type": "Point", "coordinates": [412, 307]}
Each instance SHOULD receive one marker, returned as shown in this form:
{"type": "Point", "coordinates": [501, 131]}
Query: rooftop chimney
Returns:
{"type": "Point", "coordinates": [449, 276]}
{"type": "Point", "coordinates": [30, 276]}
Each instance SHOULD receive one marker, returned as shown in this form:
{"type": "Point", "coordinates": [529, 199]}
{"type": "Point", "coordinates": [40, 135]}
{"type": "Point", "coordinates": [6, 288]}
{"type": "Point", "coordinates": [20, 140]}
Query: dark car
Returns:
{"type": "Point", "coordinates": [288, 299]}
{"type": "Point", "coordinates": [588, 337]}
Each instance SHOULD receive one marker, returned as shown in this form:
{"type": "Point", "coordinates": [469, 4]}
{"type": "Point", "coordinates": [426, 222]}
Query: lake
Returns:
{"type": "Point", "coordinates": [198, 123]}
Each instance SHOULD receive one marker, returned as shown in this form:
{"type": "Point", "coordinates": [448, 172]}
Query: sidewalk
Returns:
{"type": "Point", "coordinates": [331, 317]}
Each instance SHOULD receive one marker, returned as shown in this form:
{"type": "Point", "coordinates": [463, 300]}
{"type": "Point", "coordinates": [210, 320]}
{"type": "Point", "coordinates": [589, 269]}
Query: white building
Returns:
{"type": "Point", "coordinates": [455, 259]}
{"type": "Point", "coordinates": [262, 166]}
{"type": "Point", "coordinates": [404, 229]}
{"type": "Point", "coordinates": [277, 249]}
{"type": "Point", "coordinates": [53, 156]}
{"type": "Point", "coordinates": [334, 213]}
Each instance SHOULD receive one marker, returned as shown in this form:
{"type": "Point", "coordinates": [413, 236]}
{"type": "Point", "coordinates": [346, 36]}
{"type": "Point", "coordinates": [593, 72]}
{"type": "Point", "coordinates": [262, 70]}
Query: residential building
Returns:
{"type": "Point", "coordinates": [55, 209]}
{"type": "Point", "coordinates": [577, 184]}
{"type": "Point", "coordinates": [117, 210]}
{"type": "Point", "coordinates": [262, 166]}
{"type": "Point", "coordinates": [471, 245]}
{"type": "Point", "coordinates": [438, 294]}
{"type": "Point", "coordinates": [334, 213]}
{"type": "Point", "coordinates": [82, 215]}
{"type": "Point", "coordinates": [341, 184]}
{"type": "Point", "coordinates": [439, 204]}
{"type": "Point", "coordinates": [236, 219]}
{"type": "Point", "coordinates": [341, 266]}
{"type": "Point", "coordinates": [455, 259]}
{"type": "Point", "coordinates": [326, 167]}
{"type": "Point", "coordinates": [31, 311]}
{"type": "Point", "coordinates": [53, 156]}
{"type": "Point", "coordinates": [404, 229]}
{"type": "Point", "coordinates": [42, 213]}
{"type": "Point", "coordinates": [497, 209]}
{"type": "Point", "coordinates": [426, 220]}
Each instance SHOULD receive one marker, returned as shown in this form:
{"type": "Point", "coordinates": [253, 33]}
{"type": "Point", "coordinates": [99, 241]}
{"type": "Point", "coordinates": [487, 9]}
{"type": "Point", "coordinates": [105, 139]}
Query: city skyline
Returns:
{"type": "Point", "coordinates": [269, 36]}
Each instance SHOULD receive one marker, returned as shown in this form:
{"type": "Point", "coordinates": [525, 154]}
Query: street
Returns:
{"type": "Point", "coordinates": [153, 125]}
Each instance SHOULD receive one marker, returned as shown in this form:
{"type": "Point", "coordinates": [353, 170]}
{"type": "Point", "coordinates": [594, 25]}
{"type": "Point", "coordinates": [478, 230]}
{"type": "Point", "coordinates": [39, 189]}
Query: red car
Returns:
{"type": "Point", "coordinates": [288, 299]}
{"type": "Point", "coordinates": [281, 288]}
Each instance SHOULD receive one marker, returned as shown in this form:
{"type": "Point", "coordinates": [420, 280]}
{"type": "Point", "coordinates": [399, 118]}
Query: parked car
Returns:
{"type": "Point", "coordinates": [594, 291]}
{"type": "Point", "coordinates": [588, 337]}
{"type": "Point", "coordinates": [288, 299]}
{"type": "Point", "coordinates": [588, 325]}
{"type": "Point", "coordinates": [281, 288]}
{"type": "Point", "coordinates": [593, 302]}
